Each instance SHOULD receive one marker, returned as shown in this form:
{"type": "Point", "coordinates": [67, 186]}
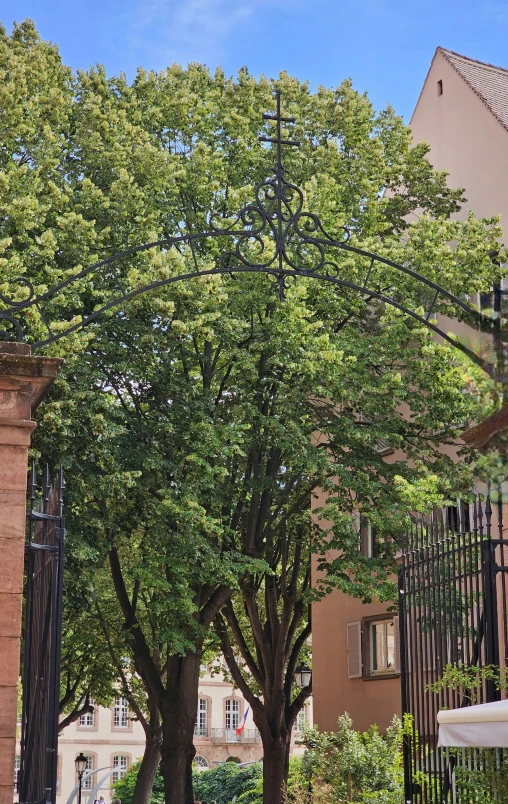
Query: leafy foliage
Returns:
{"type": "Point", "coordinates": [220, 784]}
{"type": "Point", "coordinates": [468, 680]}
{"type": "Point", "coordinates": [355, 766]}
{"type": "Point", "coordinates": [485, 779]}
{"type": "Point", "coordinates": [124, 788]}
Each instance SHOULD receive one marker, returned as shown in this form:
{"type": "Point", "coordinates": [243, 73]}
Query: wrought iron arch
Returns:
{"type": "Point", "coordinates": [299, 247]}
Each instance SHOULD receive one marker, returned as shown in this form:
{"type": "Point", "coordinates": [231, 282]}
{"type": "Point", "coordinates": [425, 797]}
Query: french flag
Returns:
{"type": "Point", "coordinates": [240, 728]}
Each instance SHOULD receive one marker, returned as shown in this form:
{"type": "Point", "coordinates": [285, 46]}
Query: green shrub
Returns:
{"type": "Point", "coordinates": [225, 781]}
{"type": "Point", "coordinates": [124, 788]}
{"type": "Point", "coordinates": [364, 768]}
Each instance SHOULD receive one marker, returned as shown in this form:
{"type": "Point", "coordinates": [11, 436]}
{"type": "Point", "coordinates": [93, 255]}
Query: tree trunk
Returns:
{"type": "Point", "coordinates": [178, 709]}
{"type": "Point", "coordinates": [275, 769]}
{"type": "Point", "coordinates": [147, 770]}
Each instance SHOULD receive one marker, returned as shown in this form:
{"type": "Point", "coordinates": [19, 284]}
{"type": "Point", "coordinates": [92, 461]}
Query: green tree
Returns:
{"type": "Point", "coordinates": [87, 675]}
{"type": "Point", "coordinates": [187, 424]}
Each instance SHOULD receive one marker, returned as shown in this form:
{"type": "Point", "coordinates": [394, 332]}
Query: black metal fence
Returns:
{"type": "Point", "coordinates": [453, 632]}
{"type": "Point", "coordinates": [42, 641]}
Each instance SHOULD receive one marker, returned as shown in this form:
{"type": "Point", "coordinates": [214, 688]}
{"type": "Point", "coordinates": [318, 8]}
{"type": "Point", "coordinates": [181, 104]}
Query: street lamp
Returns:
{"type": "Point", "coordinates": [80, 762]}
{"type": "Point", "coordinates": [303, 675]}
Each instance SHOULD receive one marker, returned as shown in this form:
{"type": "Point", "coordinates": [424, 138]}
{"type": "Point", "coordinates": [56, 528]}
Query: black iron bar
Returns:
{"type": "Point", "coordinates": [436, 631]}
{"type": "Point", "coordinates": [502, 569]}
{"type": "Point", "coordinates": [419, 665]}
{"type": "Point", "coordinates": [409, 641]}
{"type": "Point", "coordinates": [279, 142]}
{"type": "Point", "coordinates": [432, 305]}
{"type": "Point", "coordinates": [427, 669]}
{"type": "Point", "coordinates": [42, 638]}
{"type": "Point", "coordinates": [406, 742]}
{"type": "Point", "coordinates": [490, 604]}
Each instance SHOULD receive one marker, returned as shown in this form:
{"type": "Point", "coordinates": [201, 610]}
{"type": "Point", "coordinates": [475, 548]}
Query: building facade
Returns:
{"type": "Point", "coordinates": [112, 740]}
{"type": "Point", "coordinates": [462, 113]}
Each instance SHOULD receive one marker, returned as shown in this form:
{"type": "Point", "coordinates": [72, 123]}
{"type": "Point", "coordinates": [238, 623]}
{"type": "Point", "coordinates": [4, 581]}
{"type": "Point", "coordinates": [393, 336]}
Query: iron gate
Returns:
{"type": "Point", "coordinates": [42, 641]}
{"type": "Point", "coordinates": [453, 611]}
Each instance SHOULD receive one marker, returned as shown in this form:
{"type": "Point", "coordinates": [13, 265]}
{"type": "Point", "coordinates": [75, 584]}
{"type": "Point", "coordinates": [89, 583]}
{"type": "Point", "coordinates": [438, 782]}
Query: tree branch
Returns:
{"type": "Point", "coordinates": [242, 644]}
{"type": "Point", "coordinates": [222, 632]}
{"type": "Point", "coordinates": [137, 640]}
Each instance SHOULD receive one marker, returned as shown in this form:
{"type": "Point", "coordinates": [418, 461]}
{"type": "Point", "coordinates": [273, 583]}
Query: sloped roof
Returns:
{"type": "Point", "coordinates": [490, 83]}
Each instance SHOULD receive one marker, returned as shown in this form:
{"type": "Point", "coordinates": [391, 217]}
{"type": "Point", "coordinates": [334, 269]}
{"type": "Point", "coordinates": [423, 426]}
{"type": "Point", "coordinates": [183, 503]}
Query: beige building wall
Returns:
{"type": "Point", "coordinates": [103, 741]}
{"type": "Point", "coordinates": [465, 139]}
{"type": "Point", "coordinates": [469, 142]}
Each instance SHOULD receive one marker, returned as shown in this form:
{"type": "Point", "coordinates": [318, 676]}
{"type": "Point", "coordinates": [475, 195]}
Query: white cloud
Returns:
{"type": "Point", "coordinates": [187, 30]}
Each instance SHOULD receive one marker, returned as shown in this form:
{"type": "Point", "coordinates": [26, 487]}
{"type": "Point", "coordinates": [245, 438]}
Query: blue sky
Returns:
{"type": "Point", "coordinates": [385, 46]}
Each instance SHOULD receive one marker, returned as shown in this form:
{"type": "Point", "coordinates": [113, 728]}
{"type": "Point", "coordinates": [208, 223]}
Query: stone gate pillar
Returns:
{"type": "Point", "coordinates": [24, 380]}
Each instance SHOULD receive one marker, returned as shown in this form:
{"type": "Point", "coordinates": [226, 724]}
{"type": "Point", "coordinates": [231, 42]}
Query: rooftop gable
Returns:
{"type": "Point", "coordinates": [490, 83]}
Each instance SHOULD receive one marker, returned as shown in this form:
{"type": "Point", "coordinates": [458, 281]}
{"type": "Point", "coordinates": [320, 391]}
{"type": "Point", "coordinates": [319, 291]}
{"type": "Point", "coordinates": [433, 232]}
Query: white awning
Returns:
{"type": "Point", "coordinates": [480, 726]}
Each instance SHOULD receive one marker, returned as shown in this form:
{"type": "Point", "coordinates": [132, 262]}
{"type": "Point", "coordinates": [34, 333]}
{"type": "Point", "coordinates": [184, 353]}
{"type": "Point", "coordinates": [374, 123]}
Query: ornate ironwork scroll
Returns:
{"type": "Point", "coordinates": [274, 235]}
{"type": "Point", "coordinates": [42, 642]}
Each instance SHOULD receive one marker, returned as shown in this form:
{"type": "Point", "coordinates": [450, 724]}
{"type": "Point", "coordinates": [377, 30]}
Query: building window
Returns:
{"type": "Point", "coordinates": [232, 714]}
{"type": "Point", "coordinates": [87, 721]}
{"type": "Point", "coordinates": [201, 727]}
{"type": "Point", "coordinates": [121, 713]}
{"type": "Point", "coordinates": [369, 543]}
{"type": "Point", "coordinates": [17, 765]}
{"type": "Point", "coordinates": [200, 763]}
{"type": "Point", "coordinates": [373, 647]}
{"type": "Point", "coordinates": [120, 763]}
{"type": "Point", "coordinates": [88, 783]}
{"type": "Point", "coordinates": [382, 646]}
{"type": "Point", "coordinates": [440, 87]}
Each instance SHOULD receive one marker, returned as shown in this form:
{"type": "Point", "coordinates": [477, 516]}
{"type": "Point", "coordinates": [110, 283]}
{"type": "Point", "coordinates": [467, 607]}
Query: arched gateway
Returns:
{"type": "Point", "coordinates": [274, 235]}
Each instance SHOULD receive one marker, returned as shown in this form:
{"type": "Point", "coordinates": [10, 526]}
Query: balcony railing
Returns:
{"type": "Point", "coordinates": [230, 736]}
{"type": "Point", "coordinates": [200, 731]}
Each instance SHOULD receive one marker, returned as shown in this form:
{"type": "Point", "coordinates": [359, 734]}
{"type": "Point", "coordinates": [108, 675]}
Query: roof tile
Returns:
{"type": "Point", "coordinates": [488, 81]}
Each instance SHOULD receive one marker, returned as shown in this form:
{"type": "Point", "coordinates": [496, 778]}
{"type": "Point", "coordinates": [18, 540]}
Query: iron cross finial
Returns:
{"type": "Point", "coordinates": [277, 117]}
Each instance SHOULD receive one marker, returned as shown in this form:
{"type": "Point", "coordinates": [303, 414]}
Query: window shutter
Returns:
{"type": "Point", "coordinates": [397, 643]}
{"type": "Point", "coordinates": [354, 650]}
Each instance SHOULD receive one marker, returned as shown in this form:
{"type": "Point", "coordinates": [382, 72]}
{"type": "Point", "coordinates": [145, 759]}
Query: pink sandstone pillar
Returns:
{"type": "Point", "coordinates": [24, 380]}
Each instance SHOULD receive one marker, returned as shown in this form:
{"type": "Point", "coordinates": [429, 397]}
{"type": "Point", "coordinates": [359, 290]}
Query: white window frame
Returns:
{"type": "Point", "coordinates": [232, 712]}
{"type": "Point", "coordinates": [201, 726]}
{"type": "Point", "coordinates": [200, 763]}
{"type": "Point", "coordinates": [386, 670]}
{"type": "Point", "coordinates": [88, 716]}
{"type": "Point", "coordinates": [88, 783]}
{"type": "Point", "coordinates": [120, 761]}
{"type": "Point", "coordinates": [121, 713]}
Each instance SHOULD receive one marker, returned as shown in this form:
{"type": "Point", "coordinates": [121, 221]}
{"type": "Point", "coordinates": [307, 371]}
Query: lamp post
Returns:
{"type": "Point", "coordinates": [303, 675]}
{"type": "Point", "coordinates": [80, 762]}
{"type": "Point", "coordinates": [303, 678]}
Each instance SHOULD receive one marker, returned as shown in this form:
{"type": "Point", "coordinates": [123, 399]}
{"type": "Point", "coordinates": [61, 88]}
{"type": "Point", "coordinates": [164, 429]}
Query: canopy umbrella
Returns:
{"type": "Point", "coordinates": [480, 726]}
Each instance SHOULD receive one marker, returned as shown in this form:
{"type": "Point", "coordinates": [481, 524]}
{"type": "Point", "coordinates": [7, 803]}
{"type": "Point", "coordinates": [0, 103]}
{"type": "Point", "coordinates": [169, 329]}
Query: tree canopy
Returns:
{"type": "Point", "coordinates": [198, 424]}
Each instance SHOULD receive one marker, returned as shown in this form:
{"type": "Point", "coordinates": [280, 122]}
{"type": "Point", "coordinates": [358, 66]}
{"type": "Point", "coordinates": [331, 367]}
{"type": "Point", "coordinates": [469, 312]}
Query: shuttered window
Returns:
{"type": "Point", "coordinates": [354, 650]}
